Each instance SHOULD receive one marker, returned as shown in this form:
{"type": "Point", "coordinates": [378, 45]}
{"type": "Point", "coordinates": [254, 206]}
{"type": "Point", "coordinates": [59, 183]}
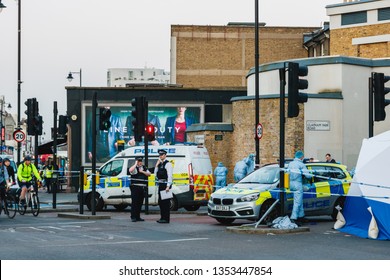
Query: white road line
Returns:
{"type": "Point", "coordinates": [125, 242]}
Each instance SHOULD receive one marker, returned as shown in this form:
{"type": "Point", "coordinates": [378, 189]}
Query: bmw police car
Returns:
{"type": "Point", "coordinates": [251, 197]}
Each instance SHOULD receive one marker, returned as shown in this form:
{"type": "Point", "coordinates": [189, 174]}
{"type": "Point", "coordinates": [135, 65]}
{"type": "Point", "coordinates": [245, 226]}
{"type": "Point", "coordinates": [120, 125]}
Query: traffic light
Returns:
{"type": "Point", "coordinates": [38, 122]}
{"type": "Point", "coordinates": [150, 132]}
{"type": "Point", "coordinates": [30, 116]}
{"type": "Point", "coordinates": [294, 85]}
{"type": "Point", "coordinates": [104, 119]}
{"type": "Point", "coordinates": [380, 91]}
{"type": "Point", "coordinates": [138, 114]}
{"type": "Point", "coordinates": [62, 125]}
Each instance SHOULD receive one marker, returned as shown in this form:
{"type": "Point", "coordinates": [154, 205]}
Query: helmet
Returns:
{"type": "Point", "coordinates": [27, 158]}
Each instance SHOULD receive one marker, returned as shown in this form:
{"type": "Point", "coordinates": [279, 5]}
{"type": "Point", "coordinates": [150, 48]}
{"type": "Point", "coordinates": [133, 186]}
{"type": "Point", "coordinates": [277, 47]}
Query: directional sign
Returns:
{"type": "Point", "coordinates": [259, 131]}
{"type": "Point", "coordinates": [19, 136]}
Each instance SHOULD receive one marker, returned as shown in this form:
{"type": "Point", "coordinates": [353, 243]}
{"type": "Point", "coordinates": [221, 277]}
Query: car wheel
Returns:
{"type": "Point", "coordinates": [173, 204]}
{"type": "Point", "coordinates": [340, 201]}
{"type": "Point", "coordinates": [191, 207]}
{"type": "Point", "coordinates": [275, 212]}
{"type": "Point", "coordinates": [120, 207]}
{"type": "Point", "coordinates": [99, 204]}
{"type": "Point", "coordinates": [225, 221]}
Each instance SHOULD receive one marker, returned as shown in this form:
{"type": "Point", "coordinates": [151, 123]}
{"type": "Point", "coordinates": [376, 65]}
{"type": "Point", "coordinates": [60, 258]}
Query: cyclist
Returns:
{"type": "Point", "coordinates": [26, 170]}
{"type": "Point", "coordinates": [4, 179]}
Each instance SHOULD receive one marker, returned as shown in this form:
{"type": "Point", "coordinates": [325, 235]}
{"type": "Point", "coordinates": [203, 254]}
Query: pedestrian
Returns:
{"type": "Point", "coordinates": [220, 173]}
{"type": "Point", "coordinates": [328, 158]}
{"type": "Point", "coordinates": [163, 172]}
{"type": "Point", "coordinates": [240, 170]}
{"type": "Point", "coordinates": [139, 181]}
{"type": "Point", "coordinates": [297, 170]}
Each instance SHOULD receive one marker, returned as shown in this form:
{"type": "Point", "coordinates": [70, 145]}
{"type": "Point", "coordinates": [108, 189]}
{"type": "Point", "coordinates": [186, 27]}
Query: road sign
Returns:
{"type": "Point", "coordinates": [19, 136]}
{"type": "Point", "coordinates": [259, 131]}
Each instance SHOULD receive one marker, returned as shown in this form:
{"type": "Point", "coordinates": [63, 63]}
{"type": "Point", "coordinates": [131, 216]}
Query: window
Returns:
{"type": "Point", "coordinates": [142, 73]}
{"type": "Point", "coordinates": [112, 168]}
{"type": "Point", "coordinates": [384, 14]}
{"type": "Point", "coordinates": [130, 75]}
{"type": "Point", "coordinates": [354, 18]}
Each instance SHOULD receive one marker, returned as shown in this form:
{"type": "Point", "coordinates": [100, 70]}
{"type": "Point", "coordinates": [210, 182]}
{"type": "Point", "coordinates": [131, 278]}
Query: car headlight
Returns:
{"type": "Point", "coordinates": [249, 197]}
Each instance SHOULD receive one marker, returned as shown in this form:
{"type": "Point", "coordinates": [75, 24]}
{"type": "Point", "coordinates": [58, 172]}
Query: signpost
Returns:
{"type": "Point", "coordinates": [19, 136]}
{"type": "Point", "coordinates": [259, 131]}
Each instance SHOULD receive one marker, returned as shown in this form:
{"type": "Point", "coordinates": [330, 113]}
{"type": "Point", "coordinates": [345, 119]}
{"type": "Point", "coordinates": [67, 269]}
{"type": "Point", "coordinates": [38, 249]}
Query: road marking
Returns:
{"type": "Point", "coordinates": [125, 242]}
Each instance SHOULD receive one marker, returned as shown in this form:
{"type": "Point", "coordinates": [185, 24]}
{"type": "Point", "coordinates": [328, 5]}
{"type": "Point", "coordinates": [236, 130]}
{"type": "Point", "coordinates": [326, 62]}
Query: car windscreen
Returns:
{"type": "Point", "coordinates": [264, 175]}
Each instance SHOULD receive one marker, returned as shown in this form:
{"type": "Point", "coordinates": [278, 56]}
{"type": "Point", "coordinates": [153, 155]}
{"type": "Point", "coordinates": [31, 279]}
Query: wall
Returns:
{"type": "Point", "coordinates": [221, 56]}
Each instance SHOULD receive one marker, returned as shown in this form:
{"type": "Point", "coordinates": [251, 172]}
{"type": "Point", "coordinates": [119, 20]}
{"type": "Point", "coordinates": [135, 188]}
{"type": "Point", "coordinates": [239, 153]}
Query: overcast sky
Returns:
{"type": "Point", "coordinates": [94, 35]}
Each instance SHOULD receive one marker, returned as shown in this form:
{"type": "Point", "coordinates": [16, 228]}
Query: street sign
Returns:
{"type": "Point", "coordinates": [259, 131]}
{"type": "Point", "coordinates": [19, 136]}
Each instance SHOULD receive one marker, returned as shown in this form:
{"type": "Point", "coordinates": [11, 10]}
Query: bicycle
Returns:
{"type": "Point", "coordinates": [9, 205]}
{"type": "Point", "coordinates": [32, 201]}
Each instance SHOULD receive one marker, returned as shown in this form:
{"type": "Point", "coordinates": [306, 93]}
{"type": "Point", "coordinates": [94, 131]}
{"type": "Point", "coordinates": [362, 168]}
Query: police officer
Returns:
{"type": "Point", "coordinates": [139, 181]}
{"type": "Point", "coordinates": [48, 170]}
{"type": "Point", "coordinates": [163, 172]}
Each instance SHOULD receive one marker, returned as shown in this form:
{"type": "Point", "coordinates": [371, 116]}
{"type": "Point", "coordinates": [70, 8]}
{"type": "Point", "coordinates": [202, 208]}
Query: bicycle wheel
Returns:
{"type": "Point", "coordinates": [10, 206]}
{"type": "Point", "coordinates": [35, 206]}
{"type": "Point", "coordinates": [22, 208]}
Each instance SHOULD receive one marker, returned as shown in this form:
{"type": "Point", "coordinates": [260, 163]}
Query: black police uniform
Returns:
{"type": "Point", "coordinates": [162, 177]}
{"type": "Point", "coordinates": [137, 192]}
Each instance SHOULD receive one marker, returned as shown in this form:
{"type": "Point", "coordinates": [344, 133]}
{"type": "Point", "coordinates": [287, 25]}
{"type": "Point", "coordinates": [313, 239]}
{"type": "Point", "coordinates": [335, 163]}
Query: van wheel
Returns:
{"type": "Point", "coordinates": [174, 205]}
{"type": "Point", "coordinates": [225, 221]}
{"type": "Point", "coordinates": [191, 207]}
{"type": "Point", "coordinates": [340, 201]}
{"type": "Point", "coordinates": [99, 204]}
{"type": "Point", "coordinates": [272, 215]}
{"type": "Point", "coordinates": [120, 207]}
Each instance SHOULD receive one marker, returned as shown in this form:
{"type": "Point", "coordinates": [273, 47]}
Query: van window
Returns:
{"type": "Point", "coordinates": [202, 166]}
{"type": "Point", "coordinates": [113, 168]}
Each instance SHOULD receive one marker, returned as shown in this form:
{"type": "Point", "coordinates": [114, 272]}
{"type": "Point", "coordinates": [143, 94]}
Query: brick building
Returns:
{"type": "Point", "coordinates": [221, 56]}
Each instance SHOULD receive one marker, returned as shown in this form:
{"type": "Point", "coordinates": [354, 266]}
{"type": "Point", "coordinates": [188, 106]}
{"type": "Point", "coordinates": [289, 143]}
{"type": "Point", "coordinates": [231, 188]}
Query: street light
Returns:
{"type": "Point", "coordinates": [2, 6]}
{"type": "Point", "coordinates": [70, 76]}
{"type": "Point", "coordinates": [19, 67]}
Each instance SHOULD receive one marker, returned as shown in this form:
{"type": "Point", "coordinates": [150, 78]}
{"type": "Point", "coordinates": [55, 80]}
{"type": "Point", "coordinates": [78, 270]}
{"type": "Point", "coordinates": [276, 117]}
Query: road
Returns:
{"type": "Point", "coordinates": [187, 237]}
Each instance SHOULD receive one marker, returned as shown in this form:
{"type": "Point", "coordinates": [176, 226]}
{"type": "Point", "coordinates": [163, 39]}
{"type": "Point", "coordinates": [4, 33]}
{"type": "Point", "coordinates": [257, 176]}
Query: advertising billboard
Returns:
{"type": "Point", "coordinates": [170, 121]}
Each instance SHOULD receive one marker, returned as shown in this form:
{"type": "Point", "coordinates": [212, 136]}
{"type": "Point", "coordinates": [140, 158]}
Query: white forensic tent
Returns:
{"type": "Point", "coordinates": [370, 187]}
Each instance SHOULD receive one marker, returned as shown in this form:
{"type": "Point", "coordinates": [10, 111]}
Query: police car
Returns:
{"type": "Point", "coordinates": [251, 197]}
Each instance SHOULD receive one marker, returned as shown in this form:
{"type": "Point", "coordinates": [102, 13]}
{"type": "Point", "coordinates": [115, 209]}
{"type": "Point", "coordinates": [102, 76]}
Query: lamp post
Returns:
{"type": "Point", "coordinates": [2, 6]}
{"type": "Point", "coordinates": [70, 76]}
{"type": "Point", "coordinates": [257, 97]}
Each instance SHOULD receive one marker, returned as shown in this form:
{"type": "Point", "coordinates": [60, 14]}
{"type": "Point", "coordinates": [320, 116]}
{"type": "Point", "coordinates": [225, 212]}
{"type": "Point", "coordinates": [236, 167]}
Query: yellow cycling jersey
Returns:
{"type": "Point", "coordinates": [25, 172]}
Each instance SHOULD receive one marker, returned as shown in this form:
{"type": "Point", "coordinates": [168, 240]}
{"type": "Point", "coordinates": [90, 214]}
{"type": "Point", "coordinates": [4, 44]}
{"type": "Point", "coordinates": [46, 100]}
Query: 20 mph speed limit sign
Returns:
{"type": "Point", "coordinates": [19, 136]}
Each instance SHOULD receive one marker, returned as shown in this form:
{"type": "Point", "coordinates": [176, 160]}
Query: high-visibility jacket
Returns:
{"type": "Point", "coordinates": [48, 171]}
{"type": "Point", "coordinates": [25, 172]}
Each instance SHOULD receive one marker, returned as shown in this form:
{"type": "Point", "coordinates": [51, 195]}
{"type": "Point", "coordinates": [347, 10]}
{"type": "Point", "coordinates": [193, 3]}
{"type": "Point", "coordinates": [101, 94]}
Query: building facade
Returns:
{"type": "Point", "coordinates": [221, 56]}
{"type": "Point", "coordinates": [122, 77]}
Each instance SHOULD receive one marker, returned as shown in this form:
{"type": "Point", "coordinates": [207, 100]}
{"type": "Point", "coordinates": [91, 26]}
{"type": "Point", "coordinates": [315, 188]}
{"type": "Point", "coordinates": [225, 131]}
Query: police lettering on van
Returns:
{"type": "Point", "coordinates": [192, 178]}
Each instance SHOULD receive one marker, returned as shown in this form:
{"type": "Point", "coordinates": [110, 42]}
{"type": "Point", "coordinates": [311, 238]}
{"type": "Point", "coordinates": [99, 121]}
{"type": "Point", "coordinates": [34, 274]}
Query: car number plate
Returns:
{"type": "Point", "coordinates": [222, 207]}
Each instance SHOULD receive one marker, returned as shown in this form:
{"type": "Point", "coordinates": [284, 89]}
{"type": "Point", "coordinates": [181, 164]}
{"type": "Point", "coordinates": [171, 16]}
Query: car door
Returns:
{"type": "Point", "coordinates": [111, 181]}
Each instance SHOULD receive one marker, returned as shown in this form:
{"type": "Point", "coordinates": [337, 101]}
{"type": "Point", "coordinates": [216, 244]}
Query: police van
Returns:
{"type": "Point", "coordinates": [192, 178]}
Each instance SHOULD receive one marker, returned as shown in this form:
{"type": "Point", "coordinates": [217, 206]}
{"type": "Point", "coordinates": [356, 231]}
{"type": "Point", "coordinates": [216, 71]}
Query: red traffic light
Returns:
{"type": "Point", "coordinates": [150, 129]}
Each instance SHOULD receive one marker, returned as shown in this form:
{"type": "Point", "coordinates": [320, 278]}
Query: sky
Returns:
{"type": "Point", "coordinates": [95, 35]}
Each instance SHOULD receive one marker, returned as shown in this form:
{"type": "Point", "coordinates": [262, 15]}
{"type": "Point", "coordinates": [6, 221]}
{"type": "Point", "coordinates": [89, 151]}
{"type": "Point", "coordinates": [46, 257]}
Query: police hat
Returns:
{"type": "Point", "coordinates": [139, 158]}
{"type": "Point", "coordinates": [162, 152]}
{"type": "Point", "coordinates": [6, 159]}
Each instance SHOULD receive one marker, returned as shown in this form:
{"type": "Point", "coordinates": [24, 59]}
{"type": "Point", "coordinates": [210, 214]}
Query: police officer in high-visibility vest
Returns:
{"type": "Point", "coordinates": [139, 181]}
{"type": "Point", "coordinates": [163, 172]}
{"type": "Point", "coordinates": [48, 170]}
{"type": "Point", "coordinates": [26, 170]}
